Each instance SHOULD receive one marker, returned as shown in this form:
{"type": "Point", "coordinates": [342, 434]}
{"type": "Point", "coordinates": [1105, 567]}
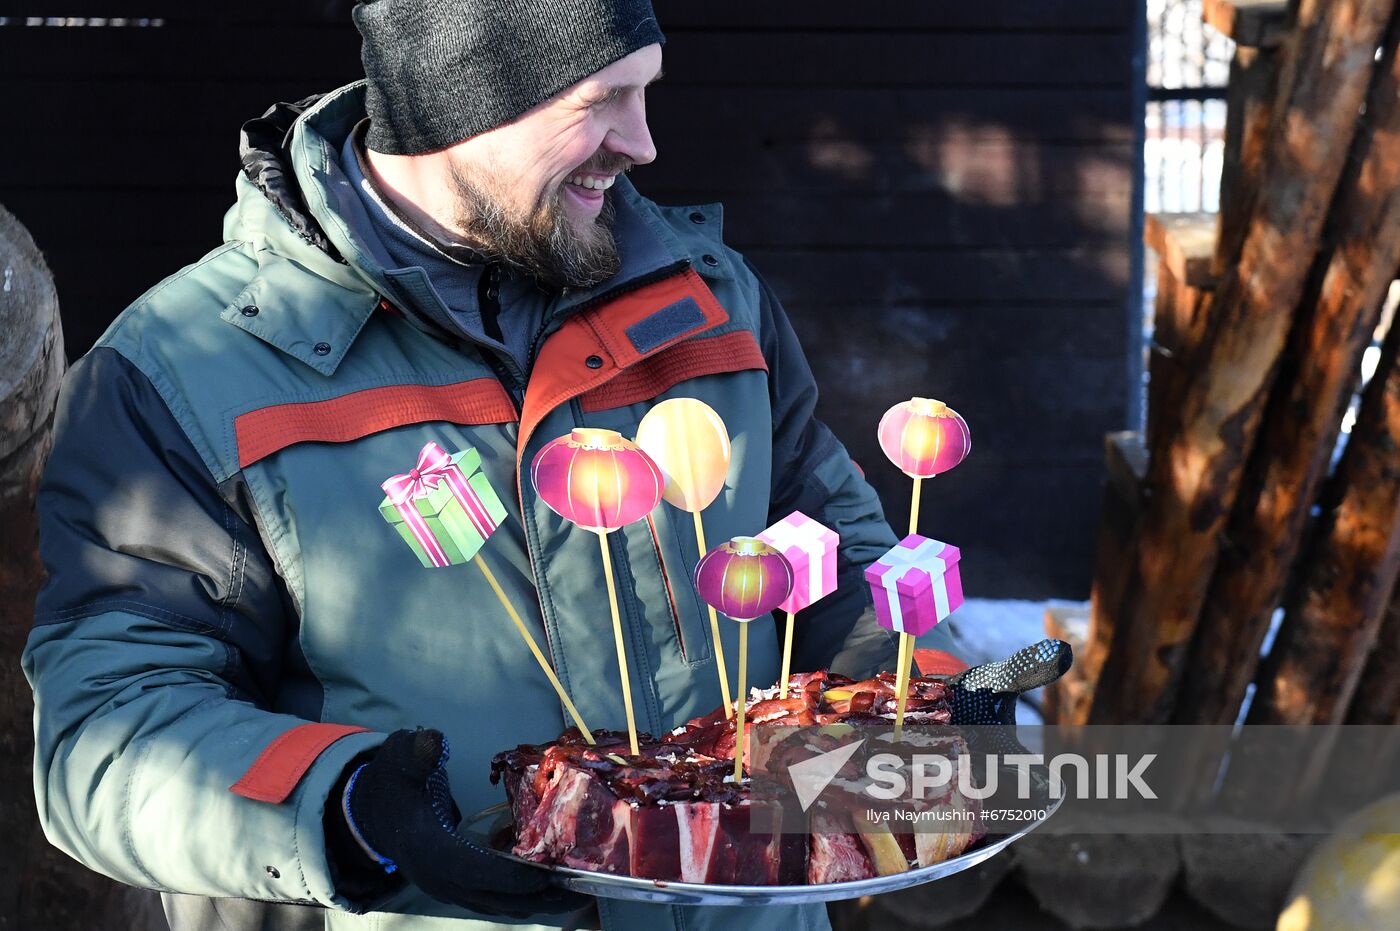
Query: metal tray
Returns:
{"type": "Point", "coordinates": [492, 822]}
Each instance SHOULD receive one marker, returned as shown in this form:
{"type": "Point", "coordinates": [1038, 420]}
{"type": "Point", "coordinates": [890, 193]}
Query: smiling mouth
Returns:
{"type": "Point", "coordinates": [592, 182]}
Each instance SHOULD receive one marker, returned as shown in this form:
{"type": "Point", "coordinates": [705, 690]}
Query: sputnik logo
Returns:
{"type": "Point", "coordinates": [811, 777]}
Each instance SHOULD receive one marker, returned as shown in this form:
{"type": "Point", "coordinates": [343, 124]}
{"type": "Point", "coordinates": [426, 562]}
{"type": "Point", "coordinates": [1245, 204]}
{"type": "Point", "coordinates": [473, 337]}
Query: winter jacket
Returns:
{"type": "Point", "coordinates": [230, 621]}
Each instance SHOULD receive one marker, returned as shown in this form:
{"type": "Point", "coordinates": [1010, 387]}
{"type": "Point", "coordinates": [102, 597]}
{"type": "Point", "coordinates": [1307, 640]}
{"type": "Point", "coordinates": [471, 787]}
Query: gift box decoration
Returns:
{"type": "Point", "coordinates": [915, 585]}
{"type": "Point", "coordinates": [444, 508]}
{"type": "Point", "coordinates": [810, 549]}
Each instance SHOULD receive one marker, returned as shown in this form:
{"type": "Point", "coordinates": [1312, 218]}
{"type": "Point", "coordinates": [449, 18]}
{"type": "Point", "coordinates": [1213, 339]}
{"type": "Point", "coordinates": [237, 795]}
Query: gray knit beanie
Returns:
{"type": "Point", "coordinates": [441, 71]}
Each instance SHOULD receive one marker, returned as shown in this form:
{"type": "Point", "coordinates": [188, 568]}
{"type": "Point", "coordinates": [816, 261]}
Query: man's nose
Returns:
{"type": "Point", "coordinates": [631, 136]}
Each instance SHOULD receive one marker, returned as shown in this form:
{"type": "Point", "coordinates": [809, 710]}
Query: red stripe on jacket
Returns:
{"type": "Point", "coordinates": [264, 431]}
{"type": "Point", "coordinates": [730, 352]}
{"type": "Point", "coordinates": [277, 770]}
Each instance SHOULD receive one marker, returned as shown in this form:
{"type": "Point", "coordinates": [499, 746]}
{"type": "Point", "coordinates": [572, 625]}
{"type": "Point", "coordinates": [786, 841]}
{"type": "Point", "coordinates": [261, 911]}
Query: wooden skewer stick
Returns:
{"type": "Point", "coordinates": [906, 652]}
{"type": "Point", "coordinates": [787, 655]}
{"type": "Point", "coordinates": [906, 641]}
{"type": "Point", "coordinates": [617, 637]}
{"type": "Point", "coordinates": [534, 647]}
{"type": "Point", "coordinates": [714, 629]}
{"type": "Point", "coordinates": [743, 690]}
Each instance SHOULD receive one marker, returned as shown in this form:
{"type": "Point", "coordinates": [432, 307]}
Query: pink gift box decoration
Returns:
{"type": "Point", "coordinates": [916, 584]}
{"type": "Point", "coordinates": [810, 548]}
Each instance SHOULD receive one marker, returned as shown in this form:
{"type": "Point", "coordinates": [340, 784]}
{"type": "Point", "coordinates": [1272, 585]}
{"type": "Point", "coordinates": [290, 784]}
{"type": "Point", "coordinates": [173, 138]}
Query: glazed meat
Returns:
{"type": "Point", "coordinates": [673, 812]}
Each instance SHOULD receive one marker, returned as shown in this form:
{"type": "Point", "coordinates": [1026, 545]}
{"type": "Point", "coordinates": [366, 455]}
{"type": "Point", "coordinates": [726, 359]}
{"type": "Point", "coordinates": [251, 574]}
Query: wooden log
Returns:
{"type": "Point", "coordinates": [1256, 23]}
{"type": "Point", "coordinates": [1185, 243]}
{"type": "Point", "coordinates": [1185, 246]}
{"type": "Point", "coordinates": [1346, 580]}
{"type": "Point", "coordinates": [1065, 699]}
{"type": "Point", "coordinates": [1249, 103]}
{"type": "Point", "coordinates": [1336, 319]}
{"type": "Point", "coordinates": [1377, 697]}
{"type": "Point", "coordinates": [1125, 460]}
{"type": "Point", "coordinates": [1193, 483]}
{"type": "Point", "coordinates": [42, 888]}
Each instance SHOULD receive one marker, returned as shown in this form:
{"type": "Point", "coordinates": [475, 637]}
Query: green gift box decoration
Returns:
{"type": "Point", "coordinates": [444, 508]}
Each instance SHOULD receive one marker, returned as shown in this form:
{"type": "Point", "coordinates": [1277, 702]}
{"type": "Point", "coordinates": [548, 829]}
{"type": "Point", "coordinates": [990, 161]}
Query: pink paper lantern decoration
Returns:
{"type": "Point", "coordinates": [810, 548]}
{"type": "Point", "coordinates": [596, 478]}
{"type": "Point", "coordinates": [744, 578]}
{"type": "Point", "coordinates": [915, 584]}
{"type": "Point", "coordinates": [924, 437]}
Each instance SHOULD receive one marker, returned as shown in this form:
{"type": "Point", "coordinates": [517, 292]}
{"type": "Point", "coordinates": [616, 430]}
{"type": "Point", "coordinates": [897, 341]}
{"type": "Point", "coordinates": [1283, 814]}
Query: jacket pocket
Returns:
{"type": "Point", "coordinates": [677, 567]}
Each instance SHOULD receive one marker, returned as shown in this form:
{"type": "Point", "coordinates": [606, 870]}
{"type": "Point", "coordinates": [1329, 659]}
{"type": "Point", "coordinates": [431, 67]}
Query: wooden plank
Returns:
{"type": "Point", "coordinates": [71, 110]}
{"type": "Point", "coordinates": [1248, 120]}
{"type": "Point", "coordinates": [1346, 579]}
{"type": "Point", "coordinates": [1185, 246]}
{"type": "Point", "coordinates": [1194, 482]}
{"type": "Point", "coordinates": [729, 59]}
{"type": "Point", "coordinates": [1337, 315]}
{"type": "Point", "coordinates": [791, 220]}
{"type": "Point", "coordinates": [985, 276]}
{"type": "Point", "coordinates": [959, 292]}
{"type": "Point", "coordinates": [984, 505]}
{"type": "Point", "coordinates": [1253, 23]}
{"type": "Point", "coordinates": [926, 220]}
{"type": "Point", "coordinates": [1062, 699]}
{"type": "Point", "coordinates": [1120, 514]}
{"type": "Point", "coordinates": [1186, 243]}
{"type": "Point", "coordinates": [224, 51]}
{"type": "Point", "coordinates": [686, 14]}
{"type": "Point", "coordinates": [996, 171]}
{"type": "Point", "coordinates": [1180, 316]}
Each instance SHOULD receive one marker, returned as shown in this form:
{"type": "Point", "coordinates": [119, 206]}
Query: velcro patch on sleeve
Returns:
{"type": "Point", "coordinates": [281, 766]}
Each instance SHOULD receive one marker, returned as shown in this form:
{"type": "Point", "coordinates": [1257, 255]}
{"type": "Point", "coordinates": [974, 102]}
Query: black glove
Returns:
{"type": "Point", "coordinates": [397, 809]}
{"type": "Point", "coordinates": [987, 694]}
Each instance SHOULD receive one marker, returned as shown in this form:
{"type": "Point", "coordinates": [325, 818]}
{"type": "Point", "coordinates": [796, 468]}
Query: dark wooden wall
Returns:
{"type": "Point", "coordinates": [944, 195]}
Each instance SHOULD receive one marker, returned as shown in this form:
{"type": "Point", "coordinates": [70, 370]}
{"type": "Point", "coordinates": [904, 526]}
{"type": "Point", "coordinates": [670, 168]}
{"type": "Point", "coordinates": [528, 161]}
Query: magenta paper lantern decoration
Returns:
{"type": "Point", "coordinates": [597, 478]}
{"type": "Point", "coordinates": [744, 578]}
{"type": "Point", "coordinates": [924, 437]}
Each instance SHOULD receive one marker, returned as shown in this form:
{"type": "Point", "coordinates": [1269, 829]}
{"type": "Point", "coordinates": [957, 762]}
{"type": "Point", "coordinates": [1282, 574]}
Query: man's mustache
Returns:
{"type": "Point", "coordinates": [607, 163]}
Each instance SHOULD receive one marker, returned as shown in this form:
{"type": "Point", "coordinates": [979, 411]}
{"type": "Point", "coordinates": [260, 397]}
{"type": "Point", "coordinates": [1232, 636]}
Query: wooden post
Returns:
{"type": "Point", "coordinates": [1258, 28]}
{"type": "Point", "coordinates": [43, 888]}
{"type": "Point", "coordinates": [1125, 459]}
{"type": "Point", "coordinates": [1346, 581]}
{"type": "Point", "coordinates": [1185, 247]}
{"type": "Point", "coordinates": [1193, 482]}
{"type": "Point", "coordinates": [1377, 697]}
{"type": "Point", "coordinates": [1066, 699]}
{"type": "Point", "coordinates": [1336, 318]}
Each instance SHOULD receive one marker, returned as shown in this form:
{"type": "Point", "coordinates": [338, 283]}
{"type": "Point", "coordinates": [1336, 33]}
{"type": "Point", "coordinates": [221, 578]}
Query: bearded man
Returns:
{"type": "Point", "coordinates": [234, 645]}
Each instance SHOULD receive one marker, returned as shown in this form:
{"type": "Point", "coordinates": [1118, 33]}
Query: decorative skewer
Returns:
{"type": "Point", "coordinates": [810, 549]}
{"type": "Point", "coordinates": [690, 444]}
{"type": "Point", "coordinates": [924, 438]}
{"type": "Point", "coordinates": [744, 578]}
{"type": "Point", "coordinates": [446, 510]}
{"type": "Point", "coordinates": [600, 481]}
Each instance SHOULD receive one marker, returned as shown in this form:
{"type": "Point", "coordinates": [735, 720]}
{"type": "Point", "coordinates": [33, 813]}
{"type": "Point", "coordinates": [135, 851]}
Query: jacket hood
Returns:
{"type": "Point", "coordinates": [264, 155]}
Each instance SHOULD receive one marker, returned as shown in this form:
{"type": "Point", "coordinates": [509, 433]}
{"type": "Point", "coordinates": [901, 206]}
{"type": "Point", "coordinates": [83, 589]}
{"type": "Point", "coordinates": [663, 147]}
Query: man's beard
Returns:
{"type": "Point", "coordinates": [546, 244]}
